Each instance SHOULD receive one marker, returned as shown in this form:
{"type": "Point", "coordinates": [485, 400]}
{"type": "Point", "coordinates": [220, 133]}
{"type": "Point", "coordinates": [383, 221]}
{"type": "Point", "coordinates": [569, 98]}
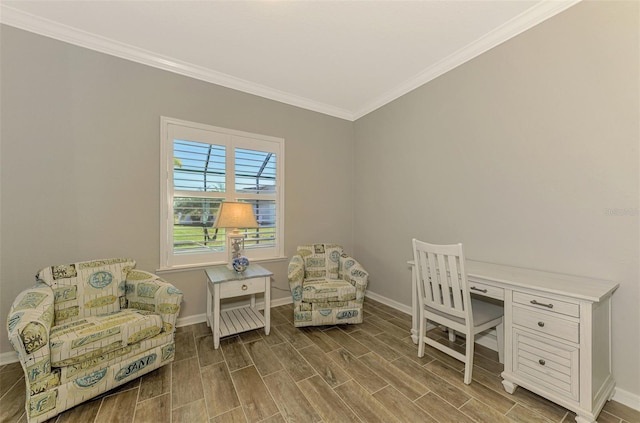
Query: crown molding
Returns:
{"type": "Point", "coordinates": [32, 23]}
{"type": "Point", "coordinates": [526, 20]}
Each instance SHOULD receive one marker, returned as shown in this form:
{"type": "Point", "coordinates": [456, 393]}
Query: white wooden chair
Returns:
{"type": "Point", "coordinates": [444, 298]}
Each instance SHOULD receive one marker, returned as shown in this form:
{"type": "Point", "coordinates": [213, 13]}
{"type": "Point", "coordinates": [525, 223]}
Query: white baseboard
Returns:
{"type": "Point", "coordinates": [488, 339]}
{"type": "Point", "coordinates": [8, 357]}
{"type": "Point", "coordinates": [281, 301]}
{"type": "Point", "coordinates": [391, 303]}
{"type": "Point", "coordinates": [626, 398]}
{"type": "Point", "coordinates": [191, 320]}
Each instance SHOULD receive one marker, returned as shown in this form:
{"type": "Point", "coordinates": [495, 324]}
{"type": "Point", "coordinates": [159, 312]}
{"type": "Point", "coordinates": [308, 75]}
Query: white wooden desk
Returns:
{"type": "Point", "coordinates": [225, 283]}
{"type": "Point", "coordinates": [557, 336]}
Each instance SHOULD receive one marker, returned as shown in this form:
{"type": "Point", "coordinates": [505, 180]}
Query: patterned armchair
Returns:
{"type": "Point", "coordinates": [327, 286]}
{"type": "Point", "coordinates": [87, 327]}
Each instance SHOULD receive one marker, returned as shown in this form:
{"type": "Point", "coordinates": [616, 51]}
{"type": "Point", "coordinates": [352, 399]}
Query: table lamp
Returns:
{"type": "Point", "coordinates": [231, 216]}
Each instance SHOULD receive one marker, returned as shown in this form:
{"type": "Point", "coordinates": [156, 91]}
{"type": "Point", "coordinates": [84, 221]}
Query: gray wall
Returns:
{"type": "Point", "coordinates": [80, 162]}
{"type": "Point", "coordinates": [519, 154]}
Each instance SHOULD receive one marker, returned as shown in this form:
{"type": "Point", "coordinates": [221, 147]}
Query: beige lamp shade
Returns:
{"type": "Point", "coordinates": [235, 215]}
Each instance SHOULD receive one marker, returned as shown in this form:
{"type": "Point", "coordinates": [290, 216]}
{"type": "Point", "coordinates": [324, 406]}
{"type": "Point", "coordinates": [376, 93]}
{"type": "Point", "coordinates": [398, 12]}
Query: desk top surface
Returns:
{"type": "Point", "coordinates": [221, 273]}
{"type": "Point", "coordinates": [556, 283]}
{"type": "Point", "coordinates": [574, 286]}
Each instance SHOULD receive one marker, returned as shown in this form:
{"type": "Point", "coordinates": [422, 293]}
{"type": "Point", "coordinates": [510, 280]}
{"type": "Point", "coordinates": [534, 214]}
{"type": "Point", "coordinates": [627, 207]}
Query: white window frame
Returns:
{"type": "Point", "coordinates": [171, 129]}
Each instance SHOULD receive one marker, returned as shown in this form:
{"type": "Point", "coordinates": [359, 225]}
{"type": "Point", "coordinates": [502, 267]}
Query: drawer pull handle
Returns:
{"type": "Point", "coordinates": [534, 302]}
{"type": "Point", "coordinates": [245, 287]}
{"type": "Point", "coordinates": [541, 324]}
{"type": "Point", "coordinates": [542, 362]}
{"type": "Point", "coordinates": [473, 288]}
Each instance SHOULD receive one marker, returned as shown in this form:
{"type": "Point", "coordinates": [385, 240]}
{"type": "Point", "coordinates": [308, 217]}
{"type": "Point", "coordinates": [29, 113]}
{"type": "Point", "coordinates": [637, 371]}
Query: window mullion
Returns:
{"type": "Point", "coordinates": [230, 177]}
{"type": "Point", "coordinates": [203, 194]}
{"type": "Point", "coordinates": [252, 196]}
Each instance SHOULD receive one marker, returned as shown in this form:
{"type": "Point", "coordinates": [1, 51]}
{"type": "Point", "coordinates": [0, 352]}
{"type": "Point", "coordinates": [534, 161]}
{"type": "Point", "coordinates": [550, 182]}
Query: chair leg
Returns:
{"type": "Point", "coordinates": [468, 362]}
{"type": "Point", "coordinates": [452, 335]}
{"type": "Point", "coordinates": [500, 339]}
{"type": "Point", "coordinates": [421, 335]}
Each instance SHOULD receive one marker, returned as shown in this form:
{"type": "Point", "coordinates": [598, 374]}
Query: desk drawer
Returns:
{"type": "Point", "coordinates": [547, 323]}
{"type": "Point", "coordinates": [237, 288]}
{"type": "Point", "coordinates": [547, 304]}
{"type": "Point", "coordinates": [486, 290]}
{"type": "Point", "coordinates": [546, 363]}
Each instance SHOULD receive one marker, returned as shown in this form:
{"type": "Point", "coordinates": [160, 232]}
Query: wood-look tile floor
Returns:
{"type": "Point", "coordinates": [360, 373]}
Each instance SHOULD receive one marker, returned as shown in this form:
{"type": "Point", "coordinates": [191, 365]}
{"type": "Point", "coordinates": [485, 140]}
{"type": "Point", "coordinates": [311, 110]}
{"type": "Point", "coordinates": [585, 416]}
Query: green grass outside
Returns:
{"type": "Point", "coordinates": [188, 237]}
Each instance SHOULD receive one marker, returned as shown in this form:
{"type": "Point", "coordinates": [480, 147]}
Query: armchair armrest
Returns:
{"type": "Point", "coordinates": [295, 274]}
{"type": "Point", "coordinates": [29, 326]}
{"type": "Point", "coordinates": [352, 272]}
{"type": "Point", "coordinates": [146, 291]}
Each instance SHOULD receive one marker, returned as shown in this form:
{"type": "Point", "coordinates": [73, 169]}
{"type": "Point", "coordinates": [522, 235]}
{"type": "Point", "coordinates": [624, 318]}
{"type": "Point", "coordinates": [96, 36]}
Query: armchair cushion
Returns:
{"type": "Point", "coordinates": [328, 290]}
{"type": "Point", "coordinates": [94, 336]}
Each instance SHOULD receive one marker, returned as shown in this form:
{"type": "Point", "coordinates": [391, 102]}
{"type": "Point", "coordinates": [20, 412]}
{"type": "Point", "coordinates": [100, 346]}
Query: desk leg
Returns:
{"type": "Point", "coordinates": [208, 304]}
{"type": "Point", "coordinates": [267, 305]}
{"type": "Point", "coordinates": [510, 387]}
{"type": "Point", "coordinates": [414, 305]}
{"type": "Point", "coordinates": [584, 419]}
{"type": "Point", "coordinates": [216, 316]}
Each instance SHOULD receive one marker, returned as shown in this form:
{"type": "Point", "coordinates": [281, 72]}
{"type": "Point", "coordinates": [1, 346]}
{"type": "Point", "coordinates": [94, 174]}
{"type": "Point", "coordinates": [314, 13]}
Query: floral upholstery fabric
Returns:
{"type": "Point", "coordinates": [75, 342]}
{"type": "Point", "coordinates": [327, 286]}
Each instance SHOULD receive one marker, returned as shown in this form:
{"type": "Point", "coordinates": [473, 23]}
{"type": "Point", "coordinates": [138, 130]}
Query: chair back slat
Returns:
{"type": "Point", "coordinates": [457, 286]}
{"type": "Point", "coordinates": [442, 280]}
{"type": "Point", "coordinates": [429, 273]}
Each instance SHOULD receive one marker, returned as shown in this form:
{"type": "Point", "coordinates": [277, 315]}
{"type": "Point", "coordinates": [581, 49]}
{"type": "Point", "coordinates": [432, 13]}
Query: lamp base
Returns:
{"type": "Point", "coordinates": [235, 248]}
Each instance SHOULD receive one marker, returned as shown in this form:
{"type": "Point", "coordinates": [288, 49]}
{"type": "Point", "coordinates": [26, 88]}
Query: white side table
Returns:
{"type": "Point", "coordinates": [225, 283]}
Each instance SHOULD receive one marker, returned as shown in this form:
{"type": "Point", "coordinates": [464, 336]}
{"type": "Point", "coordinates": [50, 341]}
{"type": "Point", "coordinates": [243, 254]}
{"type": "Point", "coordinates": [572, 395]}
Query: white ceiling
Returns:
{"type": "Point", "coordinates": [342, 58]}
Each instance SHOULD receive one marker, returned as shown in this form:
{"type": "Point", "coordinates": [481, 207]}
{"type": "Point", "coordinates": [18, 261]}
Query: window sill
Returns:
{"type": "Point", "coordinates": [188, 268]}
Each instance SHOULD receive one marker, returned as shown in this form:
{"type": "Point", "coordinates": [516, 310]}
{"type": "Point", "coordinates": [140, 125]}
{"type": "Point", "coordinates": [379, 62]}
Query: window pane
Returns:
{"type": "Point", "coordinates": [198, 166]}
{"type": "Point", "coordinates": [255, 171]}
{"type": "Point", "coordinates": [193, 230]}
{"type": "Point", "coordinates": [265, 234]}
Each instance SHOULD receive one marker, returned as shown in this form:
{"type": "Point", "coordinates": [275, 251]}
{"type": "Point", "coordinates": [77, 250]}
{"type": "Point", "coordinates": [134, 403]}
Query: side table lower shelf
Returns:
{"type": "Point", "coordinates": [240, 320]}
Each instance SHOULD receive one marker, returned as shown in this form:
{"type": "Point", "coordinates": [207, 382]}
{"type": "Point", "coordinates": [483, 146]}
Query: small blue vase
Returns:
{"type": "Point", "coordinates": [240, 264]}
